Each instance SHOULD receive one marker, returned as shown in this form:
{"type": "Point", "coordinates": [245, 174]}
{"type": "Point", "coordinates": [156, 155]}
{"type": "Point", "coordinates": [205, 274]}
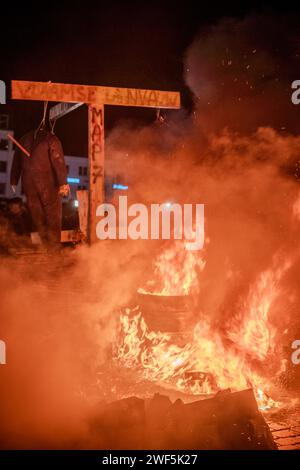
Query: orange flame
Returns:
{"type": "Point", "coordinates": [211, 361]}
{"type": "Point", "coordinates": [175, 272]}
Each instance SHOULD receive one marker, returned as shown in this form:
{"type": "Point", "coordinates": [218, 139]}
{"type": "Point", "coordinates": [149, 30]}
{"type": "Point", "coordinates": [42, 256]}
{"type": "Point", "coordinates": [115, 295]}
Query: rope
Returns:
{"type": "Point", "coordinates": [52, 125]}
{"type": "Point", "coordinates": [43, 121]}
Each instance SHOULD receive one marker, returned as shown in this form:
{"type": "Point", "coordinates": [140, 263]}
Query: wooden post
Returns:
{"type": "Point", "coordinates": [83, 211]}
{"type": "Point", "coordinates": [96, 165]}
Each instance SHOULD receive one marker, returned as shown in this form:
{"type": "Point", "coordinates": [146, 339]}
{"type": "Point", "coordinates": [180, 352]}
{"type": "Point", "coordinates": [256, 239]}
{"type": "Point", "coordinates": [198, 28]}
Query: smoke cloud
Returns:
{"type": "Point", "coordinates": [59, 319]}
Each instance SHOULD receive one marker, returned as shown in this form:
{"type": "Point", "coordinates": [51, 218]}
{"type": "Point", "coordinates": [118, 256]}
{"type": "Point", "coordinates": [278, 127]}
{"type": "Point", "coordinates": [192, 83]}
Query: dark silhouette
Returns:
{"type": "Point", "coordinates": [44, 180]}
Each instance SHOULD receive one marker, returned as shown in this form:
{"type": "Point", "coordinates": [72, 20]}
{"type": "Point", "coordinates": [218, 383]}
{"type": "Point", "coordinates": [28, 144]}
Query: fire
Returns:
{"type": "Point", "coordinates": [253, 332]}
{"type": "Point", "coordinates": [202, 366]}
{"type": "Point", "coordinates": [175, 272]}
{"type": "Point", "coordinates": [211, 361]}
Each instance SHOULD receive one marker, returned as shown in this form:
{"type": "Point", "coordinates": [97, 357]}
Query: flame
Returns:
{"type": "Point", "coordinates": [212, 360]}
{"type": "Point", "coordinates": [252, 332]}
{"type": "Point", "coordinates": [175, 271]}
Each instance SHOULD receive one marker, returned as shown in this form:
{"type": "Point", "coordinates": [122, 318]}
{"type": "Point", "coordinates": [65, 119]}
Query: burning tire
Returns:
{"type": "Point", "coordinates": [171, 314]}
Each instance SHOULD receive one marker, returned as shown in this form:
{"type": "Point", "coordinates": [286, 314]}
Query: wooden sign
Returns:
{"type": "Point", "coordinates": [72, 96]}
{"type": "Point", "coordinates": [47, 91]}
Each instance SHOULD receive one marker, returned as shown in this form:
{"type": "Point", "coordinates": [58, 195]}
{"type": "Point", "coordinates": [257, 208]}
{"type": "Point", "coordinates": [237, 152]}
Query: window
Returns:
{"type": "Point", "coordinates": [3, 166]}
{"type": "Point", "coordinates": [2, 188]}
{"type": "Point", "coordinates": [4, 120]}
{"type": "Point", "coordinates": [82, 170]}
{"type": "Point", "coordinates": [3, 144]}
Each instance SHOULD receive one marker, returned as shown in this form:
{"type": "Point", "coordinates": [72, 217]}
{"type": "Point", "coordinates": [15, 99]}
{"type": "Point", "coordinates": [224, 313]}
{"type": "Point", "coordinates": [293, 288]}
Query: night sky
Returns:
{"type": "Point", "coordinates": [130, 44]}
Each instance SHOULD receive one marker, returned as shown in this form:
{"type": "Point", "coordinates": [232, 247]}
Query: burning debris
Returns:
{"type": "Point", "coordinates": [165, 340]}
{"type": "Point", "coordinates": [199, 367]}
{"type": "Point", "coordinates": [227, 421]}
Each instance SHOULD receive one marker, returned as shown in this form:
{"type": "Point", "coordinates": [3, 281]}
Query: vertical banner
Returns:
{"type": "Point", "coordinates": [96, 166]}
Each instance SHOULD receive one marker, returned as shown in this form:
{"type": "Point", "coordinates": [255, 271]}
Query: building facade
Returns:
{"type": "Point", "coordinates": [6, 157]}
{"type": "Point", "coordinates": [77, 173]}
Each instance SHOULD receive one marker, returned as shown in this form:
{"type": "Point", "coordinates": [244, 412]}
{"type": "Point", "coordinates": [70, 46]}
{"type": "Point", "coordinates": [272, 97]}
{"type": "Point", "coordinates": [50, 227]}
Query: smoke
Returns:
{"type": "Point", "coordinates": [58, 319]}
{"type": "Point", "coordinates": [240, 72]}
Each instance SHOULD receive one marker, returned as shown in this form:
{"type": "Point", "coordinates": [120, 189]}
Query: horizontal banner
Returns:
{"type": "Point", "coordinates": [46, 91]}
